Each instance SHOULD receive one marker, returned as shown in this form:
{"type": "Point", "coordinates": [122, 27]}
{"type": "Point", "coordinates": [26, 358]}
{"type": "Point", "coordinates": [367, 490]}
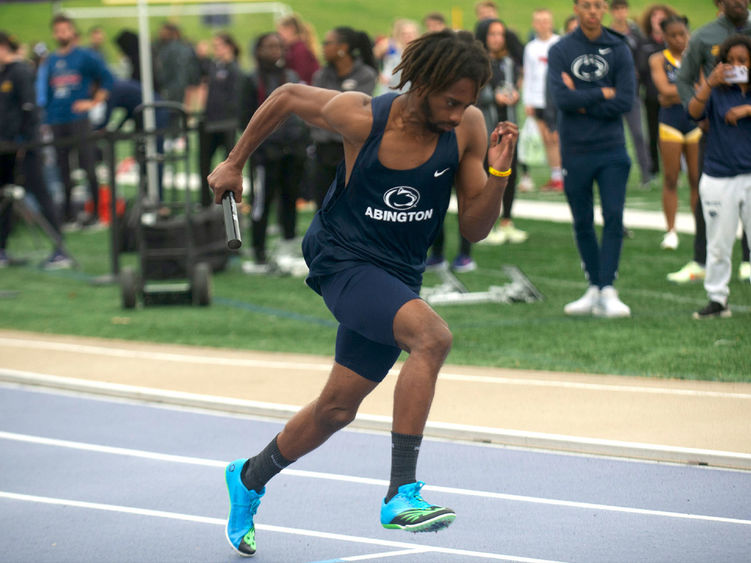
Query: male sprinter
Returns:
{"type": "Point", "coordinates": [366, 251]}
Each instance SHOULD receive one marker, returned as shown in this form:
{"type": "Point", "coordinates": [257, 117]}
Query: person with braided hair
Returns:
{"type": "Point", "coordinates": [366, 251]}
{"type": "Point", "coordinates": [350, 65]}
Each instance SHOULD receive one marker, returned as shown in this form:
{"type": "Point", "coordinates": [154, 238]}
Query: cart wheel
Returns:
{"type": "Point", "coordinates": [129, 288]}
{"type": "Point", "coordinates": [201, 286]}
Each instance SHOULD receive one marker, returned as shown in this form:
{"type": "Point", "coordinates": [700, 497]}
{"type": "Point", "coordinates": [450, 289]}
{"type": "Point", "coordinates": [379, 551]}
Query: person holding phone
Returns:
{"type": "Point", "coordinates": [700, 58]}
{"type": "Point", "coordinates": [724, 99]}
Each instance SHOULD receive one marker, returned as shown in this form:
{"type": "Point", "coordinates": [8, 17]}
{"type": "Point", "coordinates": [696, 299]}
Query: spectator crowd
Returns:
{"type": "Point", "coordinates": [677, 86]}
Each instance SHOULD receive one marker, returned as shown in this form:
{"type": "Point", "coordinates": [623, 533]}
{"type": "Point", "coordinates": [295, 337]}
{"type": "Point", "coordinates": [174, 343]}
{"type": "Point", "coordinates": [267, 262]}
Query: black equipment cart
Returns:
{"type": "Point", "coordinates": [179, 242]}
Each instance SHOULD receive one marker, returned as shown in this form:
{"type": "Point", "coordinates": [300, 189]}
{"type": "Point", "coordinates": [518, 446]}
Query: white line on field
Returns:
{"type": "Point", "coordinates": [264, 527]}
{"type": "Point", "coordinates": [171, 458]}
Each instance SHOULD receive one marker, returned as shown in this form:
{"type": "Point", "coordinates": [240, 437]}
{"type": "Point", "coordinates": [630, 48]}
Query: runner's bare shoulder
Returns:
{"type": "Point", "coordinates": [350, 115]}
{"type": "Point", "coordinates": [471, 132]}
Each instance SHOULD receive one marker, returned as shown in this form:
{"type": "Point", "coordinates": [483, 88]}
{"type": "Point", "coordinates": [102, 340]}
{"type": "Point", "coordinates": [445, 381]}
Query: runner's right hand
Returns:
{"type": "Point", "coordinates": [226, 178]}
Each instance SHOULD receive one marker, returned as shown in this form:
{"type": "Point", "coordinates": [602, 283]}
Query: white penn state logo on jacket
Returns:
{"type": "Point", "coordinates": [590, 67]}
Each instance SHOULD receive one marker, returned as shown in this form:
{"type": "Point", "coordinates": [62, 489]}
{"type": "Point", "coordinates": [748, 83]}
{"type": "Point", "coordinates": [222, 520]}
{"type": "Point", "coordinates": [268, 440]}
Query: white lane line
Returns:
{"type": "Point", "coordinates": [404, 545]}
{"type": "Point", "coordinates": [142, 393]}
{"type": "Point", "coordinates": [308, 366]}
{"type": "Point", "coordinates": [382, 555]}
{"type": "Point", "coordinates": [368, 481]}
{"type": "Point", "coordinates": [157, 356]}
{"type": "Point", "coordinates": [592, 386]}
{"type": "Point", "coordinates": [110, 449]}
{"type": "Point", "coordinates": [113, 508]}
{"type": "Point", "coordinates": [449, 430]}
{"type": "Point", "coordinates": [263, 527]}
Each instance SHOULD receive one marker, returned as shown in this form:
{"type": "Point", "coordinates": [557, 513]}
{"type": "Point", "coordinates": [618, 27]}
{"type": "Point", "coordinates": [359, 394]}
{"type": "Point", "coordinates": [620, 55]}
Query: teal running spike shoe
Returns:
{"type": "Point", "coordinates": [408, 511]}
{"type": "Point", "coordinates": [243, 504]}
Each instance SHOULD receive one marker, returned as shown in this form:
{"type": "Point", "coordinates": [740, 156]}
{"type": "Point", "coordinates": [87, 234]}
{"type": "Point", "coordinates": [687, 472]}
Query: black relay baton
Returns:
{"type": "Point", "coordinates": [231, 222]}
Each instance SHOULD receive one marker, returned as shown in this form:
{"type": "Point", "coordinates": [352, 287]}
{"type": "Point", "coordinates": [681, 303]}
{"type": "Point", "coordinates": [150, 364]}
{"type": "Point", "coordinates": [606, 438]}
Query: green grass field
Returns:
{"type": "Point", "coordinates": [30, 22]}
{"type": "Point", "coordinates": [281, 314]}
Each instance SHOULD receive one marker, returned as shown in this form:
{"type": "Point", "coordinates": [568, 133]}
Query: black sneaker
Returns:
{"type": "Point", "coordinates": [711, 310]}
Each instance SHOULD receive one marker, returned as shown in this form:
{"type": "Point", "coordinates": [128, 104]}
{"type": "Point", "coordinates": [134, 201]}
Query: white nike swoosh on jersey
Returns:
{"type": "Point", "coordinates": [441, 173]}
{"type": "Point", "coordinates": [605, 51]}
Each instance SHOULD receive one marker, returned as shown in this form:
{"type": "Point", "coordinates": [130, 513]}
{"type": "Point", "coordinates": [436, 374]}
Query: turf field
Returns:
{"type": "Point", "coordinates": [31, 21]}
{"type": "Point", "coordinates": [282, 314]}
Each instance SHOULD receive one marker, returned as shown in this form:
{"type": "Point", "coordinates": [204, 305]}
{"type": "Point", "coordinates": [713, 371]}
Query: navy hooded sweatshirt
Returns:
{"type": "Point", "coordinates": [604, 62]}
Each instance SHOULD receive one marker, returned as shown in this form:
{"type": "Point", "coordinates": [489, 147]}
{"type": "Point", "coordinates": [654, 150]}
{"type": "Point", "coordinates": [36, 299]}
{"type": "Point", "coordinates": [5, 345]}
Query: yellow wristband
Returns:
{"type": "Point", "coordinates": [500, 174]}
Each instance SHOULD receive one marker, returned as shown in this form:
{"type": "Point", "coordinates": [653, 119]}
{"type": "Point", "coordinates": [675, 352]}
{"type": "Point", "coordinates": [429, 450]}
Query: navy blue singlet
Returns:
{"type": "Point", "coordinates": [388, 218]}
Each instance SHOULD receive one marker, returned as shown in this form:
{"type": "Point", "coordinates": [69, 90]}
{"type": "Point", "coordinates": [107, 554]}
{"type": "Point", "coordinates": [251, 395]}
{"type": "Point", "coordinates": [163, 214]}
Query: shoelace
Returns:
{"type": "Point", "coordinates": [414, 493]}
{"type": "Point", "coordinates": [254, 505]}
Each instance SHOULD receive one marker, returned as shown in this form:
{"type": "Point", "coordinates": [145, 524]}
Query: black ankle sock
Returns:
{"type": "Point", "coordinates": [404, 451]}
{"type": "Point", "coordinates": [259, 469]}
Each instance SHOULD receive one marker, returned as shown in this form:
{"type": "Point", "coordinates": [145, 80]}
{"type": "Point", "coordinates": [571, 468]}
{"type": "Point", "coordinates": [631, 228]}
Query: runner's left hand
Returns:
{"type": "Point", "coordinates": [502, 145]}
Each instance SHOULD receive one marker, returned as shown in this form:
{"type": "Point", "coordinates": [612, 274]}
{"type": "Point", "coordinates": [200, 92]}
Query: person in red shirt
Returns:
{"type": "Point", "coordinates": [299, 44]}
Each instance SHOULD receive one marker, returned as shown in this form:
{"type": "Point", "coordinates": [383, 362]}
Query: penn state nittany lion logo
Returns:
{"type": "Point", "coordinates": [590, 67]}
{"type": "Point", "coordinates": [401, 198]}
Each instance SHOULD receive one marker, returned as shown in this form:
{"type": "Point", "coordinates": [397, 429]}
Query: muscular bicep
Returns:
{"type": "Point", "coordinates": [350, 115]}
{"type": "Point", "coordinates": [308, 103]}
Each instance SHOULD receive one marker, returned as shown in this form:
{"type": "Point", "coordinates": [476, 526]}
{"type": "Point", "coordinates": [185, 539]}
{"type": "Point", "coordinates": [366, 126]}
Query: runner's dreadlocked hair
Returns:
{"type": "Point", "coordinates": [435, 61]}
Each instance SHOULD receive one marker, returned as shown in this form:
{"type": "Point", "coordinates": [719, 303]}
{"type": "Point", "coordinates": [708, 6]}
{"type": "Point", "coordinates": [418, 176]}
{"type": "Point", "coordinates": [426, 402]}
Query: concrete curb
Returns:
{"type": "Point", "coordinates": [449, 431]}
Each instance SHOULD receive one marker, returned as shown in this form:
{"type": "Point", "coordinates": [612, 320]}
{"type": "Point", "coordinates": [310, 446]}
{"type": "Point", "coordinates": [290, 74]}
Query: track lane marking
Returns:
{"type": "Point", "coordinates": [370, 481]}
{"type": "Point", "coordinates": [447, 430]}
{"type": "Point", "coordinates": [263, 527]}
{"type": "Point", "coordinates": [368, 556]}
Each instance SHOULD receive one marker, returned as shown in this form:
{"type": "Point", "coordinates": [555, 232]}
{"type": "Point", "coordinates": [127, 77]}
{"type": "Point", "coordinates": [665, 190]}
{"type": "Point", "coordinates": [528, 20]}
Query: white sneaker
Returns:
{"type": "Point", "coordinates": [691, 272]}
{"type": "Point", "coordinates": [495, 237]}
{"type": "Point", "coordinates": [526, 184]}
{"type": "Point", "coordinates": [610, 306]}
{"type": "Point", "coordinates": [513, 235]}
{"type": "Point", "coordinates": [253, 268]}
{"type": "Point", "coordinates": [744, 271]}
{"type": "Point", "coordinates": [584, 305]}
{"type": "Point", "coordinates": [669, 241]}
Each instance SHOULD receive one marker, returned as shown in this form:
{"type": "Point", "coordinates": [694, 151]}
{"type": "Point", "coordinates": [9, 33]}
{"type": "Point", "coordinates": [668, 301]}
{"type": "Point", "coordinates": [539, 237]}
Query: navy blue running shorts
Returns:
{"type": "Point", "coordinates": [365, 300]}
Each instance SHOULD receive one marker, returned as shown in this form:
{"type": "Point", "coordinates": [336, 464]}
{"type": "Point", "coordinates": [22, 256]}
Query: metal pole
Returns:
{"type": "Point", "coordinates": [114, 275]}
{"type": "Point", "coordinates": [114, 222]}
{"type": "Point", "coordinates": [147, 95]}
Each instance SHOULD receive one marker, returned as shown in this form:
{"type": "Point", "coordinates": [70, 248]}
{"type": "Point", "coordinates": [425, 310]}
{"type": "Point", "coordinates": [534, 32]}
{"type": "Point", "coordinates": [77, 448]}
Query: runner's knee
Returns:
{"type": "Point", "coordinates": [331, 416]}
{"type": "Point", "coordinates": [434, 341]}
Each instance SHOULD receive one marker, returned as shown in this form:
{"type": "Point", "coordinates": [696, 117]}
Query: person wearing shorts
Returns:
{"type": "Point", "coordinates": [366, 251]}
{"type": "Point", "coordinates": [679, 135]}
{"type": "Point", "coordinates": [537, 100]}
